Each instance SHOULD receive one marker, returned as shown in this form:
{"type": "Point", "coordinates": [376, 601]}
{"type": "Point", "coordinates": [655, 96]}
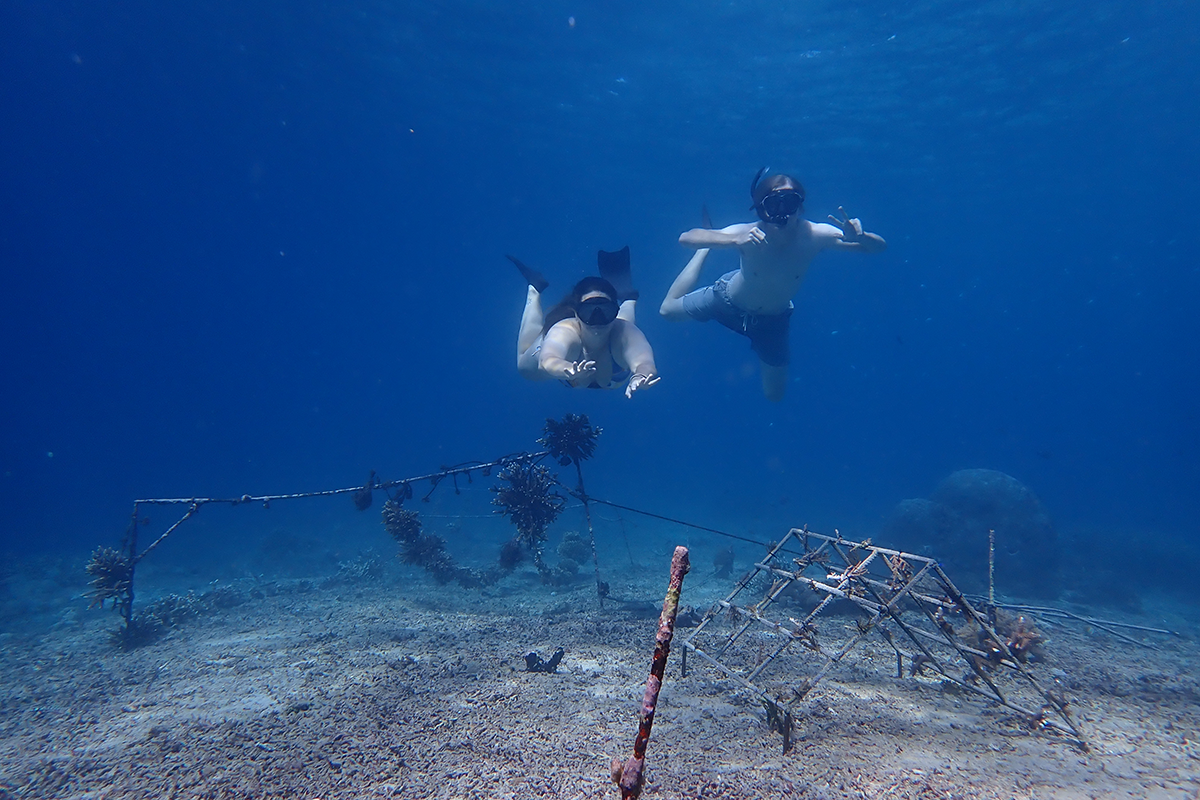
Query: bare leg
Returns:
{"type": "Point", "coordinates": [672, 306]}
{"type": "Point", "coordinates": [774, 381]}
{"type": "Point", "coordinates": [628, 309]}
{"type": "Point", "coordinates": [532, 320]}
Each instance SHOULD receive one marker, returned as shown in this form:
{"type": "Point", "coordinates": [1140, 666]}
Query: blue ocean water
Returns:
{"type": "Point", "coordinates": [258, 247]}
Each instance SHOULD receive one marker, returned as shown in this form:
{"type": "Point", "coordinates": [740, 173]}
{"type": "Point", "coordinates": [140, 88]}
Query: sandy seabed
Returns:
{"type": "Point", "coordinates": [399, 687]}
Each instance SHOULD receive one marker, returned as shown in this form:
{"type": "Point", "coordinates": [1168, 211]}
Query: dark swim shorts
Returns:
{"type": "Point", "coordinates": [768, 333]}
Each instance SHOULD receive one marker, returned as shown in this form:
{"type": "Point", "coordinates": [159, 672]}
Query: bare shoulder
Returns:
{"type": "Point", "coordinates": [565, 330]}
{"type": "Point", "coordinates": [624, 330]}
{"type": "Point", "coordinates": [825, 231]}
{"type": "Point", "coordinates": [562, 341]}
{"type": "Point", "coordinates": [825, 236]}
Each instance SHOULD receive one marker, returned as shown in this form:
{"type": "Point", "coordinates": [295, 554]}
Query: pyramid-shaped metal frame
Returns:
{"type": "Point", "coordinates": [890, 588]}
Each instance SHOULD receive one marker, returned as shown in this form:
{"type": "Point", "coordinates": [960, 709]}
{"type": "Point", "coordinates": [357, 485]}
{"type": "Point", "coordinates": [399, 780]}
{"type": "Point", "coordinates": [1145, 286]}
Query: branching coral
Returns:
{"type": "Point", "coordinates": [424, 550]}
{"type": "Point", "coordinates": [111, 573]}
{"type": "Point", "coordinates": [175, 609]}
{"type": "Point", "coordinates": [571, 440]}
{"type": "Point", "coordinates": [403, 525]}
{"type": "Point", "coordinates": [527, 499]}
{"type": "Point", "coordinates": [1024, 640]}
{"type": "Point", "coordinates": [364, 569]}
{"type": "Point", "coordinates": [1021, 638]}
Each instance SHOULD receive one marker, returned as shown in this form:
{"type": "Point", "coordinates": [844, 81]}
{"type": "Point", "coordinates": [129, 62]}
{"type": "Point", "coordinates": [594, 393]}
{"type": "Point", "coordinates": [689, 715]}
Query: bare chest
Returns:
{"type": "Point", "coordinates": [768, 280]}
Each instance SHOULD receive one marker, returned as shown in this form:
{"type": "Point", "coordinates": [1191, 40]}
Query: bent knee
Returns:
{"type": "Point", "coordinates": [672, 310]}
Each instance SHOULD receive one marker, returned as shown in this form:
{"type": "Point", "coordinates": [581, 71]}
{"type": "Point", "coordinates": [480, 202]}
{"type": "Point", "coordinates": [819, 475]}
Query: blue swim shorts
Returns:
{"type": "Point", "coordinates": [768, 333]}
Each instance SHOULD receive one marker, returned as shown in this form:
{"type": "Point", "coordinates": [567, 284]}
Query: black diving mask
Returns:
{"type": "Point", "coordinates": [779, 205]}
{"type": "Point", "coordinates": [597, 311]}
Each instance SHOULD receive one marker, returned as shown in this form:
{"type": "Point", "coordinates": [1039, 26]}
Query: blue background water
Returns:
{"type": "Point", "coordinates": [258, 247]}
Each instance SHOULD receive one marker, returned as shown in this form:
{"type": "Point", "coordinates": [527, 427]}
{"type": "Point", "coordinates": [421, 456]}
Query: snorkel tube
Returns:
{"type": "Point", "coordinates": [757, 207]}
{"type": "Point", "coordinates": [754, 182]}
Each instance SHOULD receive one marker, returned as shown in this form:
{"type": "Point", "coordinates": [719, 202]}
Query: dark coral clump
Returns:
{"type": "Point", "coordinates": [111, 575]}
{"type": "Point", "coordinates": [527, 498]}
{"type": "Point", "coordinates": [415, 547]}
{"type": "Point", "coordinates": [175, 609]}
{"type": "Point", "coordinates": [402, 524]}
{"type": "Point", "coordinates": [159, 617]}
{"type": "Point", "coordinates": [1024, 640]}
{"type": "Point", "coordinates": [511, 554]}
{"type": "Point", "coordinates": [424, 550]}
{"type": "Point", "coordinates": [574, 547]}
{"type": "Point", "coordinates": [723, 563]}
{"type": "Point", "coordinates": [1020, 636]}
{"type": "Point", "coordinates": [571, 440]}
{"type": "Point", "coordinates": [564, 574]}
{"type": "Point", "coordinates": [362, 497]}
{"type": "Point", "coordinates": [141, 630]}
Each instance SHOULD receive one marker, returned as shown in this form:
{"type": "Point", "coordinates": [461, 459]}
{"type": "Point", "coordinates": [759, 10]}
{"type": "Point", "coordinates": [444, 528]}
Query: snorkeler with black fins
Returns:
{"type": "Point", "coordinates": [589, 338]}
{"type": "Point", "coordinates": [755, 300]}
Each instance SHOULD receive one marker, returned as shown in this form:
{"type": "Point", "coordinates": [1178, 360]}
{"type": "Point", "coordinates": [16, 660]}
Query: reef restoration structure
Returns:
{"type": "Point", "coordinates": [903, 603]}
{"type": "Point", "coordinates": [812, 604]}
{"type": "Point", "coordinates": [526, 495]}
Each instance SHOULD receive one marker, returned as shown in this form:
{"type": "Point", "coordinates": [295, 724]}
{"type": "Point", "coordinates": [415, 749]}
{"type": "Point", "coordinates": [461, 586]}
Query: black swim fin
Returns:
{"type": "Point", "coordinates": [614, 268]}
{"type": "Point", "coordinates": [532, 276]}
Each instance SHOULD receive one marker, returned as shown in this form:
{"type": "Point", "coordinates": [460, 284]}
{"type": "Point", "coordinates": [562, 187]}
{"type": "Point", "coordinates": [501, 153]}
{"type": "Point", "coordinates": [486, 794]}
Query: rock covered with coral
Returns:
{"type": "Point", "coordinates": [952, 525]}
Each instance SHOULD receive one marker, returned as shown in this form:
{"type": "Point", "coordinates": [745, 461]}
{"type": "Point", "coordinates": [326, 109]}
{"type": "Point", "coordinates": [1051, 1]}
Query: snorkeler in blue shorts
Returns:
{"type": "Point", "coordinates": [756, 299]}
{"type": "Point", "coordinates": [588, 339]}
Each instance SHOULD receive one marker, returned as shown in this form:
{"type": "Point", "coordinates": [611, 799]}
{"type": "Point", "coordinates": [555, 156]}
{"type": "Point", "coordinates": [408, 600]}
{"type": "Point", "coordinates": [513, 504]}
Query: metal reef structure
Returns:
{"type": "Point", "coordinates": [904, 604]}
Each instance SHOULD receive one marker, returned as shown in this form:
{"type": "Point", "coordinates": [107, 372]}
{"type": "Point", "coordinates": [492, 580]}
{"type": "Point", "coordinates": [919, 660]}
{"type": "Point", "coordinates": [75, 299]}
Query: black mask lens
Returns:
{"type": "Point", "coordinates": [597, 311]}
{"type": "Point", "coordinates": [781, 205]}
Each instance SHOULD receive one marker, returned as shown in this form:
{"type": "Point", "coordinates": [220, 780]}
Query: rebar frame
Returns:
{"type": "Point", "coordinates": [129, 546]}
{"type": "Point", "coordinates": [888, 586]}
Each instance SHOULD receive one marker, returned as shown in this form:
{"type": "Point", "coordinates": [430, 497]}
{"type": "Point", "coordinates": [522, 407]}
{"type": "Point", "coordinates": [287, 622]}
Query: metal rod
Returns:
{"type": "Point", "coordinates": [1103, 624]}
{"type": "Point", "coordinates": [194, 508]}
{"type": "Point", "coordinates": [267, 498]}
{"type": "Point", "coordinates": [991, 566]}
{"type": "Point", "coordinates": [587, 513]}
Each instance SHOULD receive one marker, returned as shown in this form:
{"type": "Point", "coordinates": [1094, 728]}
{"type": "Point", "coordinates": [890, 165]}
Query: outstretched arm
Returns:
{"type": "Point", "coordinates": [555, 357]}
{"type": "Point", "coordinates": [638, 357]}
{"type": "Point", "coordinates": [853, 237]}
{"type": "Point", "coordinates": [732, 236]}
